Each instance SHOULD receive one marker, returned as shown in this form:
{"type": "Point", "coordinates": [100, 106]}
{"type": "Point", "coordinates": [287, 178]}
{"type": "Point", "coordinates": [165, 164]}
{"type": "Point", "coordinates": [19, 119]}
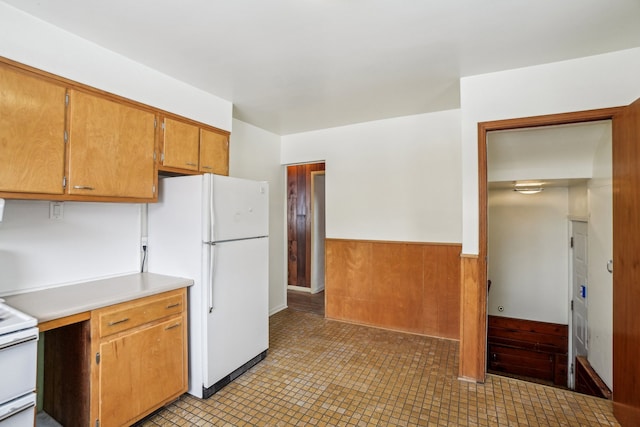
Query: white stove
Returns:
{"type": "Point", "coordinates": [18, 355]}
{"type": "Point", "coordinates": [12, 320]}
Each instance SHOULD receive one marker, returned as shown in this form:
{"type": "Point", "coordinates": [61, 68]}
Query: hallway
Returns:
{"type": "Point", "coordinates": [326, 373]}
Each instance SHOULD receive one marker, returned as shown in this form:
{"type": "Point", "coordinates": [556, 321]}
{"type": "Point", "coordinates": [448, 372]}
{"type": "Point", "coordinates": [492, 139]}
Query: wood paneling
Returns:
{"type": "Point", "coordinates": [530, 348]}
{"type": "Point", "coordinates": [66, 374]}
{"type": "Point", "coordinates": [587, 380]}
{"type": "Point", "coordinates": [473, 320]}
{"type": "Point", "coordinates": [299, 223]}
{"type": "Point", "coordinates": [626, 262]}
{"type": "Point", "coordinates": [410, 287]}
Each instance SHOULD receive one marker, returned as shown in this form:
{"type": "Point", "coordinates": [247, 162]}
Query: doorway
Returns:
{"type": "Point", "coordinates": [581, 180]}
{"type": "Point", "coordinates": [305, 236]}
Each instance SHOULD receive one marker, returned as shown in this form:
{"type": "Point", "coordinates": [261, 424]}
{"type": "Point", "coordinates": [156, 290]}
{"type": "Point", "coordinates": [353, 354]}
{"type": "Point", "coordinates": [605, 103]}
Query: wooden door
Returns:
{"type": "Point", "coordinates": [214, 152]}
{"type": "Point", "coordinates": [140, 370]}
{"type": "Point", "coordinates": [626, 264]}
{"type": "Point", "coordinates": [31, 134]}
{"type": "Point", "coordinates": [181, 145]}
{"type": "Point", "coordinates": [299, 223]}
{"type": "Point", "coordinates": [111, 147]}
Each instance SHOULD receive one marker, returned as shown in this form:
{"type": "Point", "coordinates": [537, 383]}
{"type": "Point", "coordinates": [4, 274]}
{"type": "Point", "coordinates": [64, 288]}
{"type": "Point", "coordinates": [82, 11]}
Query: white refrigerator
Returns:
{"type": "Point", "coordinates": [214, 229]}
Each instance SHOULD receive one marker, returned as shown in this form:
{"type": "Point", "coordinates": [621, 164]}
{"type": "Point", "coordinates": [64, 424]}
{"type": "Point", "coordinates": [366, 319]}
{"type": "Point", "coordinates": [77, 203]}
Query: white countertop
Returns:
{"type": "Point", "coordinates": [55, 303]}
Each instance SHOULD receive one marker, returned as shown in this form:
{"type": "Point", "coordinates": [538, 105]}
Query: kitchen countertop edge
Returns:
{"type": "Point", "coordinates": [63, 301]}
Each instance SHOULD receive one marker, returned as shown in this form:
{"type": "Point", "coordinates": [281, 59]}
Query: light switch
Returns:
{"type": "Point", "coordinates": [56, 210]}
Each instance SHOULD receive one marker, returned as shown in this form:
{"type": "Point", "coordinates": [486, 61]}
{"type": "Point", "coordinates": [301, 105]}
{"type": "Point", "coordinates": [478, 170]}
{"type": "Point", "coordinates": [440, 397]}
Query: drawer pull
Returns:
{"type": "Point", "coordinates": [172, 326]}
{"type": "Point", "coordinates": [117, 322]}
{"type": "Point", "coordinates": [173, 305]}
{"type": "Point", "coordinates": [83, 187]}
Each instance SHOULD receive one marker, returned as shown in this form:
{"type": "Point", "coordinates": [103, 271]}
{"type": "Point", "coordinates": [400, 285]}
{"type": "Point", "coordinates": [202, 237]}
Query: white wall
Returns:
{"type": "Point", "coordinates": [31, 41]}
{"type": "Point", "coordinates": [396, 179]}
{"type": "Point", "coordinates": [255, 154]}
{"type": "Point", "coordinates": [528, 254]}
{"type": "Point", "coordinates": [578, 201]}
{"type": "Point", "coordinates": [92, 240]}
{"type": "Point", "coordinates": [600, 281]}
{"type": "Point", "coordinates": [587, 83]}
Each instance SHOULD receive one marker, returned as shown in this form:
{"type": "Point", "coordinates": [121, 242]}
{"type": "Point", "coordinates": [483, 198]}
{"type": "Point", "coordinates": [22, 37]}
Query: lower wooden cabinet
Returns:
{"type": "Point", "coordinates": [125, 362]}
{"type": "Point", "coordinates": [140, 364]}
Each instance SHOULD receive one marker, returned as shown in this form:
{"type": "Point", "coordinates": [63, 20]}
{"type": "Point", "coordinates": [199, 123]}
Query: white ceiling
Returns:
{"type": "Point", "coordinates": [296, 65]}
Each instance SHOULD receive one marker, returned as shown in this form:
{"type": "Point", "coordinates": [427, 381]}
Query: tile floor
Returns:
{"type": "Point", "coordinates": [326, 373]}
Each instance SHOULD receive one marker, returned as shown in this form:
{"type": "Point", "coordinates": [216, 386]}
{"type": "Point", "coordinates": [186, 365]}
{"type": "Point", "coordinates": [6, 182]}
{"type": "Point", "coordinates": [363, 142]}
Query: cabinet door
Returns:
{"type": "Point", "coordinates": [140, 371]}
{"type": "Point", "coordinates": [31, 134]}
{"type": "Point", "coordinates": [111, 148]}
{"type": "Point", "coordinates": [181, 142]}
{"type": "Point", "coordinates": [214, 152]}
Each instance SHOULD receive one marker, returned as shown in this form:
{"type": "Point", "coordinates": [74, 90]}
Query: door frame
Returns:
{"type": "Point", "coordinates": [473, 342]}
{"type": "Point", "coordinates": [314, 255]}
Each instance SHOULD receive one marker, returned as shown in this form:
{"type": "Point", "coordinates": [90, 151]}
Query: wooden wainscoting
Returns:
{"type": "Point", "coordinates": [403, 286]}
{"type": "Point", "coordinates": [473, 319]}
{"type": "Point", "coordinates": [528, 348]}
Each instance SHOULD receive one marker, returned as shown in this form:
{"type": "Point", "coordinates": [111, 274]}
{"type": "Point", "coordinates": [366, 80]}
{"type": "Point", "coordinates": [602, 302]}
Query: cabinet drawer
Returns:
{"type": "Point", "coordinates": [137, 313]}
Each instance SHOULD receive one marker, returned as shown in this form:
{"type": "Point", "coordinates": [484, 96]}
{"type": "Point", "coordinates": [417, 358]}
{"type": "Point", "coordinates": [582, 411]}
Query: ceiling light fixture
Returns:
{"type": "Point", "coordinates": [528, 187]}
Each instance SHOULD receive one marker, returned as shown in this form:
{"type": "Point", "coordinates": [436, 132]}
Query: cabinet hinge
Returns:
{"type": "Point", "coordinates": [97, 423]}
{"type": "Point", "coordinates": [571, 369]}
{"type": "Point", "coordinates": [155, 123]}
{"type": "Point", "coordinates": [154, 156]}
{"type": "Point", "coordinates": [571, 241]}
{"type": "Point", "coordinates": [162, 125]}
{"type": "Point", "coordinates": [571, 305]}
{"type": "Point", "coordinates": [97, 360]}
{"type": "Point", "coordinates": [66, 136]}
{"type": "Point", "coordinates": [66, 99]}
{"type": "Point", "coordinates": [162, 157]}
{"type": "Point", "coordinates": [64, 182]}
{"type": "Point", "coordinates": [153, 189]}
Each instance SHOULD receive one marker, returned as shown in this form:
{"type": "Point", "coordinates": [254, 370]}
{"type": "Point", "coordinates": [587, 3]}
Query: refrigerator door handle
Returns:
{"type": "Point", "coordinates": [212, 260]}
{"type": "Point", "coordinates": [212, 214]}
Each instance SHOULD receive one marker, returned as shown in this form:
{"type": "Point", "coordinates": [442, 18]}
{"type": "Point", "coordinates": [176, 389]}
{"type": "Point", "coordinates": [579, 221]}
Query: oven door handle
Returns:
{"type": "Point", "coordinates": [17, 341]}
{"type": "Point", "coordinates": [16, 411]}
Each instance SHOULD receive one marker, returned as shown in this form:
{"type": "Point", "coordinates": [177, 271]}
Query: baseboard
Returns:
{"type": "Point", "coordinates": [298, 288]}
{"type": "Point", "coordinates": [277, 309]}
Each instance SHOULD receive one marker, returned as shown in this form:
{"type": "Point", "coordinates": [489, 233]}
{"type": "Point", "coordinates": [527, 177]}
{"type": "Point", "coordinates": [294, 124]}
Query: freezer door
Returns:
{"type": "Point", "coordinates": [240, 208]}
{"type": "Point", "coordinates": [238, 324]}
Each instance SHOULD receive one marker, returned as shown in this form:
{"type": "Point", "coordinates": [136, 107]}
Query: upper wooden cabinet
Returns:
{"type": "Point", "coordinates": [180, 145]}
{"type": "Point", "coordinates": [31, 133]}
{"type": "Point", "coordinates": [214, 152]}
{"type": "Point", "coordinates": [62, 140]}
{"type": "Point", "coordinates": [111, 148]}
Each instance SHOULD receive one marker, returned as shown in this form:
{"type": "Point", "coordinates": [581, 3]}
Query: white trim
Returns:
{"type": "Point", "coordinates": [298, 288]}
